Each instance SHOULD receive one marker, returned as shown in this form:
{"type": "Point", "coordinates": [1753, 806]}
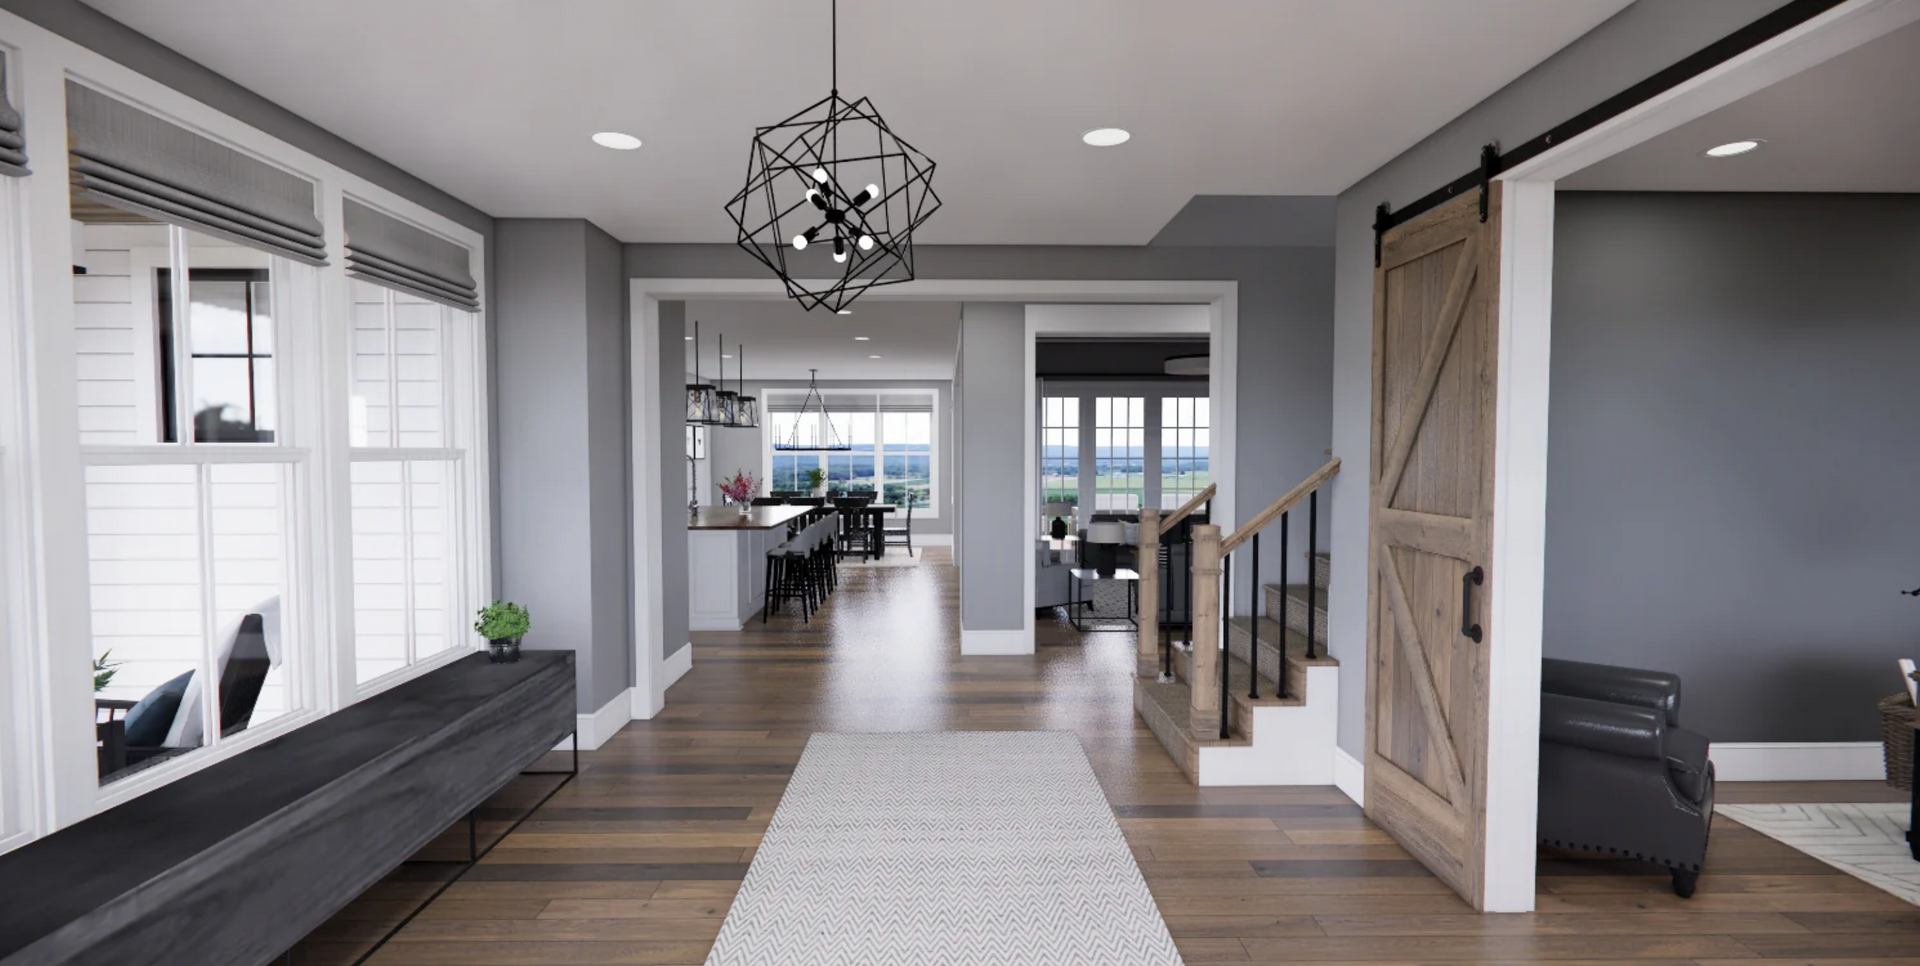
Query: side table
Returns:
{"type": "Point", "coordinates": [1078, 604]}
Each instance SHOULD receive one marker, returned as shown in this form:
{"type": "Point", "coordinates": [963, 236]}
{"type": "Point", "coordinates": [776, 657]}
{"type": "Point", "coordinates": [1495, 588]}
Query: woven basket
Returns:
{"type": "Point", "coordinates": [1896, 730]}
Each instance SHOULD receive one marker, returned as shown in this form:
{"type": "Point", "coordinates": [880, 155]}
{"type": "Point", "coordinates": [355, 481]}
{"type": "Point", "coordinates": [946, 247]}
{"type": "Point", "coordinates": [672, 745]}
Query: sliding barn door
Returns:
{"type": "Point", "coordinates": [1435, 321]}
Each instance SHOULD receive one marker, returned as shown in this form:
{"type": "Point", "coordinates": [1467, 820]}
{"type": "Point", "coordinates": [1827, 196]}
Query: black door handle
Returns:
{"type": "Point", "coordinates": [1471, 579]}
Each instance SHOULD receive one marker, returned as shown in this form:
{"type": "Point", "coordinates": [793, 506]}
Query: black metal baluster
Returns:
{"type": "Point", "coordinates": [1253, 623]}
{"type": "Point", "coordinates": [1313, 563]}
{"type": "Point", "coordinates": [1226, 627]}
{"type": "Point", "coordinates": [1284, 552]}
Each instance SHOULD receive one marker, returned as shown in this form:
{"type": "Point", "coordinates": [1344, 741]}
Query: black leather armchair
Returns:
{"type": "Point", "coordinates": [1618, 774]}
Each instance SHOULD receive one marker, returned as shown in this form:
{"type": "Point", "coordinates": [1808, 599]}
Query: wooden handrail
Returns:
{"type": "Point", "coordinates": [1199, 499]}
{"type": "Point", "coordinates": [1287, 502]}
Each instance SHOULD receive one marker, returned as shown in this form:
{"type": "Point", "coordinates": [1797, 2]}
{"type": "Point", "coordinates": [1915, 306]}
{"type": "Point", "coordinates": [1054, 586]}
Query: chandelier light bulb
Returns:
{"type": "Point", "coordinates": [799, 242]}
{"type": "Point", "coordinates": [873, 191]}
{"type": "Point", "coordinates": [840, 256]}
{"type": "Point", "coordinates": [866, 243]}
{"type": "Point", "coordinates": [820, 175]}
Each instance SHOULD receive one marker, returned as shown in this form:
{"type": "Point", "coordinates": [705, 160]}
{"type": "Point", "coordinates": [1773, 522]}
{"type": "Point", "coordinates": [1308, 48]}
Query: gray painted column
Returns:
{"type": "Point", "coordinates": [994, 524]}
{"type": "Point", "coordinates": [560, 322]}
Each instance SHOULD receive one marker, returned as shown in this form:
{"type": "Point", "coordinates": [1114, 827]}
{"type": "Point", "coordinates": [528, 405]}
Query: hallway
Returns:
{"type": "Point", "coordinates": [637, 860]}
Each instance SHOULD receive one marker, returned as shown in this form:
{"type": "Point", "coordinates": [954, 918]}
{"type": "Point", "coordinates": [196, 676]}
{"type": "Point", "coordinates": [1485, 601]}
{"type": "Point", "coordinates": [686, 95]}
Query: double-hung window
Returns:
{"type": "Point", "coordinates": [413, 360]}
{"type": "Point", "coordinates": [194, 485]}
{"type": "Point", "coordinates": [17, 697]}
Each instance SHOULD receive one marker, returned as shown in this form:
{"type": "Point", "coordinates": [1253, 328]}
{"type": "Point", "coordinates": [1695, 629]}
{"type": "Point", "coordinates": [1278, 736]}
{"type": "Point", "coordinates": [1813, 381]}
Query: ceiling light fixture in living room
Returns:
{"type": "Point", "coordinates": [833, 198]}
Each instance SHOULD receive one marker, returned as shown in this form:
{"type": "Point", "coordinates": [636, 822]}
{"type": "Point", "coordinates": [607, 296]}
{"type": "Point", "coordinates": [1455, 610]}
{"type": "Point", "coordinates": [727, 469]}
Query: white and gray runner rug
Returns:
{"type": "Point", "coordinates": [1868, 842]}
{"type": "Point", "coordinates": [978, 848]}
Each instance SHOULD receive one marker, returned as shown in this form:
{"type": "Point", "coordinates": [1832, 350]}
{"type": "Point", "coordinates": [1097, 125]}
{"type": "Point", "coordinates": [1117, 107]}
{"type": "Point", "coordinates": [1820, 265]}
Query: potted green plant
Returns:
{"type": "Point", "coordinates": [104, 670]}
{"type": "Point", "coordinates": [503, 624]}
{"type": "Point", "coordinates": [817, 480]}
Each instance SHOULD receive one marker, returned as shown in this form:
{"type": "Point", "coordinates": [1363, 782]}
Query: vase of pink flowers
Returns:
{"type": "Point", "coordinates": [741, 490]}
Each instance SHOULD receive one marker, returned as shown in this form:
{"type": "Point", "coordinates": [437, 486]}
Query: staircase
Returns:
{"type": "Point", "coordinates": [1285, 736]}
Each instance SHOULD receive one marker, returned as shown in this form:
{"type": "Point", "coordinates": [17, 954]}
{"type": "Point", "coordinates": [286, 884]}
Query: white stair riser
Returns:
{"type": "Point", "coordinates": [1291, 745]}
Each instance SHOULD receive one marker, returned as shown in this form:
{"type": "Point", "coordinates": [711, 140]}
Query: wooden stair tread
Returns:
{"type": "Point", "coordinates": [1296, 643]}
{"type": "Point", "coordinates": [1175, 702]}
{"type": "Point", "coordinates": [1237, 677]}
{"type": "Point", "coordinates": [1299, 592]}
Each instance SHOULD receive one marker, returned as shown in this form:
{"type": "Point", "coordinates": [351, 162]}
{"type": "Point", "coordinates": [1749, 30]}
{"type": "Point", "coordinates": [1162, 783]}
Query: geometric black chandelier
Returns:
{"type": "Point", "coordinates": [833, 198]}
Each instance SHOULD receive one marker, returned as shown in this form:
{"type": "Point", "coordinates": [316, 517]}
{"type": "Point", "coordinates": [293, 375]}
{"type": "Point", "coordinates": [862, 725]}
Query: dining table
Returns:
{"type": "Point", "coordinates": [876, 512]}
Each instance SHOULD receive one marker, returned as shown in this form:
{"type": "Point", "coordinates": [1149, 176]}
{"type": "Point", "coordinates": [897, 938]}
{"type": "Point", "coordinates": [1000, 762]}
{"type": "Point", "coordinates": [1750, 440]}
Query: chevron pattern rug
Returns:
{"type": "Point", "coordinates": [1867, 842]}
{"type": "Point", "coordinates": [941, 849]}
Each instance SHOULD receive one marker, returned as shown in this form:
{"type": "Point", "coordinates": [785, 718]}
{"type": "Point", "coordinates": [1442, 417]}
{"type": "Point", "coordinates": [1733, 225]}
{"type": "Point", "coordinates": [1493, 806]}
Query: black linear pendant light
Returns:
{"type": "Point", "coordinates": [833, 198]}
{"type": "Point", "coordinates": [821, 436]}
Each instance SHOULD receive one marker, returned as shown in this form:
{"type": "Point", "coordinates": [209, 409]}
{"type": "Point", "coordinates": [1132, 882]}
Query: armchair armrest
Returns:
{"type": "Point", "coordinates": [1614, 729]}
{"type": "Point", "coordinates": [1657, 690]}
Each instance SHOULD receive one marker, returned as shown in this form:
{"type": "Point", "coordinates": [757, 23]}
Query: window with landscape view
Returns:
{"type": "Point", "coordinates": [1119, 440]}
{"type": "Point", "coordinates": [1184, 468]}
{"type": "Point", "coordinates": [891, 440]}
{"type": "Point", "coordinates": [1060, 450]}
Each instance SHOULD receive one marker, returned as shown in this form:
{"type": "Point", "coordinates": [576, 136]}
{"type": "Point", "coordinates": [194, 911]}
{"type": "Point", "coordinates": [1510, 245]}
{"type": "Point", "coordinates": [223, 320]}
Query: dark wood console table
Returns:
{"type": "Point", "coordinates": [234, 864]}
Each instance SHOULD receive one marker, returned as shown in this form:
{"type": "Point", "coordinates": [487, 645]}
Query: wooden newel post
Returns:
{"type": "Point", "coordinates": [1148, 566]}
{"type": "Point", "coordinates": [1205, 679]}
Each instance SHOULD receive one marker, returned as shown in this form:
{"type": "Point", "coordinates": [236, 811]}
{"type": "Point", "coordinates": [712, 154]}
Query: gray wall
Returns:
{"type": "Point", "coordinates": [670, 354]}
{"type": "Point", "coordinates": [562, 452]}
{"type": "Point", "coordinates": [1731, 485]}
{"type": "Point", "coordinates": [995, 530]}
{"type": "Point", "coordinates": [742, 449]}
{"type": "Point", "coordinates": [1633, 45]}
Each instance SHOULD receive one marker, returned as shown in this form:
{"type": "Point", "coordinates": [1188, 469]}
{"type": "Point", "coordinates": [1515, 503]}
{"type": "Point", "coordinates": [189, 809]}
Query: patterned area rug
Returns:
{"type": "Point", "coordinates": [978, 848]}
{"type": "Point", "coordinates": [1867, 842]}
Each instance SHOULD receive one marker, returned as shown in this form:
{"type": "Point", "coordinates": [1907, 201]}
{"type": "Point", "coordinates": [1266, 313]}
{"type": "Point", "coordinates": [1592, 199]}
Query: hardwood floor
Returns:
{"type": "Point", "coordinates": [637, 860]}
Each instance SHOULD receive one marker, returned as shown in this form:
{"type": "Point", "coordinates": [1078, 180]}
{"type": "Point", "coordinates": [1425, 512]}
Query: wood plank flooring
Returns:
{"type": "Point", "coordinates": [637, 861]}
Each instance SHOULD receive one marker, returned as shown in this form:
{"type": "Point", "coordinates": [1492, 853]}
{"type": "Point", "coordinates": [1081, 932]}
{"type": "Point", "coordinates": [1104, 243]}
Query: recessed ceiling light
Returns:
{"type": "Point", "coordinates": [1106, 137]}
{"type": "Point", "coordinates": [844, 312]}
{"type": "Point", "coordinates": [873, 357]}
{"type": "Point", "coordinates": [724, 355]}
{"type": "Point", "coordinates": [861, 338]}
{"type": "Point", "coordinates": [616, 140]}
{"type": "Point", "coordinates": [689, 338]}
{"type": "Point", "coordinates": [1733, 149]}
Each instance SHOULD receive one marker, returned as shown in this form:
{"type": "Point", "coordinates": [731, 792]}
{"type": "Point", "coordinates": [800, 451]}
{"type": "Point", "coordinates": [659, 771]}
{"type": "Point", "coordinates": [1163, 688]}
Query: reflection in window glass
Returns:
{"type": "Point", "coordinates": [177, 605]}
{"type": "Point", "coordinates": [1060, 449]}
{"type": "Point", "coordinates": [402, 587]}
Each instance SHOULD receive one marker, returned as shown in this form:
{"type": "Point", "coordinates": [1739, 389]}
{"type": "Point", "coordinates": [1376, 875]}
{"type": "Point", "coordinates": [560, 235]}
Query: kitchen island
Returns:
{"type": "Point", "coordinates": [727, 560]}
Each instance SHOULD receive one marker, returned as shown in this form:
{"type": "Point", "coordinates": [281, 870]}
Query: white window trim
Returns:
{"type": "Point", "coordinates": [52, 626]}
{"type": "Point", "coordinates": [935, 491]}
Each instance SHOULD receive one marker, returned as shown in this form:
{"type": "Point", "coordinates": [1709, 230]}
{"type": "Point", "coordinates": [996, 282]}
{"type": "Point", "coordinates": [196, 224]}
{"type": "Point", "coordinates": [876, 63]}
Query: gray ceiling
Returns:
{"type": "Point", "coordinates": [1850, 124]}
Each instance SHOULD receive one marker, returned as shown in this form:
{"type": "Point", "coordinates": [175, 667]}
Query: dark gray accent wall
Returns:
{"type": "Point", "coordinates": [670, 355]}
{"type": "Point", "coordinates": [562, 453]}
{"type": "Point", "coordinates": [1633, 45]}
{"type": "Point", "coordinates": [1124, 358]}
{"type": "Point", "coordinates": [1731, 485]}
{"type": "Point", "coordinates": [995, 528]}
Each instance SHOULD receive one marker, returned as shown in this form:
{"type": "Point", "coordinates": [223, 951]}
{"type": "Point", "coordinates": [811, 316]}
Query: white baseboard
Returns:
{"type": "Point", "coordinates": [995, 642]}
{"type": "Point", "coordinates": [594, 729]}
{"type": "Point", "coordinates": [677, 665]}
{"type": "Point", "coordinates": [1350, 776]}
{"type": "Point", "coordinates": [1798, 761]}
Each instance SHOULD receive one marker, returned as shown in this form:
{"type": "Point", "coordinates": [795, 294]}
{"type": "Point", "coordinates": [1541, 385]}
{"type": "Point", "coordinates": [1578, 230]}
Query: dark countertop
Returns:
{"type": "Point", "coordinates": [60, 878]}
{"type": "Point", "coordinates": [756, 518]}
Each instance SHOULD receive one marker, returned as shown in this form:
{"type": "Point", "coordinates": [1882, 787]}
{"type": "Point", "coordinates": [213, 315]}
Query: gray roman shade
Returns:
{"type": "Point", "coordinates": [786, 401]}
{"type": "Point", "coordinates": [917, 402]}
{"type": "Point", "coordinates": [387, 251]}
{"type": "Point", "coordinates": [125, 158]}
{"type": "Point", "coordinates": [13, 143]}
